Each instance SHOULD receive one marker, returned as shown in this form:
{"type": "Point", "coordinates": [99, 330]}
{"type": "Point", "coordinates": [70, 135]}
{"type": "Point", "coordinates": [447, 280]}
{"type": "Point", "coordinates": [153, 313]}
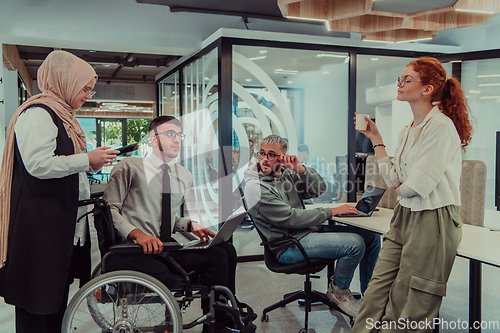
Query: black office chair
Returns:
{"type": "Point", "coordinates": [308, 267]}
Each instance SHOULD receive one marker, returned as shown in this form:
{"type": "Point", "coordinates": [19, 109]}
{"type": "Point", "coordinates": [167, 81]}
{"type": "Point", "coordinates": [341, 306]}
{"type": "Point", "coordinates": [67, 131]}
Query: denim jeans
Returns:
{"type": "Point", "coordinates": [349, 245]}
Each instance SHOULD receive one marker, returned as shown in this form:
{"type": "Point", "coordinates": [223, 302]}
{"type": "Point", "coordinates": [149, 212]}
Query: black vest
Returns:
{"type": "Point", "coordinates": [41, 232]}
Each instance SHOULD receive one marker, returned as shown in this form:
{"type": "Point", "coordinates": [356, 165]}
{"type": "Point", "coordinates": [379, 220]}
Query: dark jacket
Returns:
{"type": "Point", "coordinates": [41, 232]}
{"type": "Point", "coordinates": [276, 204]}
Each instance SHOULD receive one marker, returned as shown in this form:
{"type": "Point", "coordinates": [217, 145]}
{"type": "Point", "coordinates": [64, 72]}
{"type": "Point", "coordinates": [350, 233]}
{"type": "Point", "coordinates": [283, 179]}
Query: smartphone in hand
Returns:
{"type": "Point", "coordinates": [127, 149]}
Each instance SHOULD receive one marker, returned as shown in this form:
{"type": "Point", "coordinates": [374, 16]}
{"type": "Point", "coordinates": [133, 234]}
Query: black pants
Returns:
{"type": "Point", "coordinates": [27, 322]}
{"type": "Point", "coordinates": [214, 266]}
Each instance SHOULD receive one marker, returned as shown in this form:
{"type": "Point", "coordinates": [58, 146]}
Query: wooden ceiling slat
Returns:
{"type": "Point", "coordinates": [359, 16]}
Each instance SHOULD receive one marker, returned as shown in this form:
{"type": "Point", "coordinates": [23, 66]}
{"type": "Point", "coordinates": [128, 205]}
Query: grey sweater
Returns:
{"type": "Point", "coordinates": [276, 204]}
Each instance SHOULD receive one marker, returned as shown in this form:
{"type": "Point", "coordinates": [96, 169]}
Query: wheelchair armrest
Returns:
{"type": "Point", "coordinates": [96, 194]}
{"type": "Point", "coordinates": [293, 241]}
{"type": "Point", "coordinates": [126, 248]}
{"type": "Point", "coordinates": [136, 248]}
{"type": "Point", "coordinates": [171, 246]}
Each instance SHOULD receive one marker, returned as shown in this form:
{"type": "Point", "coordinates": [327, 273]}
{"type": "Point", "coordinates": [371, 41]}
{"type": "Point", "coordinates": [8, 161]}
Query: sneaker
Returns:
{"type": "Point", "coordinates": [344, 299]}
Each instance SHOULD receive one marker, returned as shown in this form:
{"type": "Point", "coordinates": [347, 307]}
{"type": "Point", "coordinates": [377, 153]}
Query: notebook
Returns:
{"type": "Point", "coordinates": [223, 235]}
{"type": "Point", "coordinates": [368, 202]}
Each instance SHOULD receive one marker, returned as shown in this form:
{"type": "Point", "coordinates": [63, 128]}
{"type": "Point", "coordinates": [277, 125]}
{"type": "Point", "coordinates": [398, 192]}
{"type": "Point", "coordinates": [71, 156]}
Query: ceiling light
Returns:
{"type": "Point", "coordinates": [488, 97]}
{"type": "Point", "coordinates": [305, 19]}
{"type": "Point", "coordinates": [475, 11]}
{"type": "Point", "coordinates": [488, 84]}
{"type": "Point", "coordinates": [285, 71]}
{"type": "Point", "coordinates": [263, 51]}
{"type": "Point", "coordinates": [475, 91]}
{"type": "Point", "coordinates": [257, 58]}
{"type": "Point", "coordinates": [290, 81]}
{"type": "Point", "coordinates": [330, 55]}
{"type": "Point", "coordinates": [489, 75]}
{"type": "Point", "coordinates": [454, 61]}
{"type": "Point", "coordinates": [248, 80]}
{"type": "Point", "coordinates": [326, 72]}
{"type": "Point", "coordinates": [374, 59]}
{"type": "Point", "coordinates": [376, 41]}
{"type": "Point", "coordinates": [111, 104]}
{"type": "Point", "coordinates": [414, 40]}
{"type": "Point", "coordinates": [207, 79]}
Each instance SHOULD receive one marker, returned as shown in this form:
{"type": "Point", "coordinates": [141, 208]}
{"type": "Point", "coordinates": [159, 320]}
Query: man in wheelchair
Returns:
{"type": "Point", "coordinates": [144, 195]}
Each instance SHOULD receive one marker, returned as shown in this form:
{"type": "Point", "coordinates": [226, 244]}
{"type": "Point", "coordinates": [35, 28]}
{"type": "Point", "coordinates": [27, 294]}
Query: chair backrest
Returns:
{"type": "Point", "coordinates": [374, 178]}
{"type": "Point", "coordinates": [472, 192]}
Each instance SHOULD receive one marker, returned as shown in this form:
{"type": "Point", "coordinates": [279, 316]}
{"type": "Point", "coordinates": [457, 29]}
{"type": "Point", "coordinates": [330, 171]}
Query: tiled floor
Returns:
{"type": "Point", "coordinates": [259, 287]}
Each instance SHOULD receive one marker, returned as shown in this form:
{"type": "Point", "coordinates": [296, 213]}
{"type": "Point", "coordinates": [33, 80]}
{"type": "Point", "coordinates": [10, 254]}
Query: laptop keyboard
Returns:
{"type": "Point", "coordinates": [361, 214]}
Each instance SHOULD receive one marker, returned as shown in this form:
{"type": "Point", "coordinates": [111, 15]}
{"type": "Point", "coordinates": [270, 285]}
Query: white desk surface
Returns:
{"type": "Point", "coordinates": [478, 243]}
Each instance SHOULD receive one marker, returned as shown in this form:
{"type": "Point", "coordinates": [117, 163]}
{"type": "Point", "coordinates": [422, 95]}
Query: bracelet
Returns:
{"type": "Point", "coordinates": [379, 145]}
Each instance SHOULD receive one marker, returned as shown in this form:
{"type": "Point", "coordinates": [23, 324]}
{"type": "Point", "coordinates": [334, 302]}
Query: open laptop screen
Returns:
{"type": "Point", "coordinates": [370, 199]}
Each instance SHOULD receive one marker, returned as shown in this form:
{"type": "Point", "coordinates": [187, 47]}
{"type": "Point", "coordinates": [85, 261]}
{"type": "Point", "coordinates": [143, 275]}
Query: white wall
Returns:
{"type": "Point", "coordinates": [326, 113]}
{"type": "Point", "coordinates": [486, 120]}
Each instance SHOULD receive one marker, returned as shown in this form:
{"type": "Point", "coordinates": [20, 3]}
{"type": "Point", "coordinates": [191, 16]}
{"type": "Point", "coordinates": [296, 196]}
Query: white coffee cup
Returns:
{"type": "Point", "coordinates": [361, 121]}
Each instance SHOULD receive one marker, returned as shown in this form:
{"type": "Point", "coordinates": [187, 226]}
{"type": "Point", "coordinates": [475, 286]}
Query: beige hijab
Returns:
{"type": "Point", "coordinates": [60, 78]}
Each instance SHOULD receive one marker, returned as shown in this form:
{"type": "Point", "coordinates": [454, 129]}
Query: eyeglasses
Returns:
{"type": "Point", "coordinates": [270, 156]}
{"type": "Point", "coordinates": [171, 134]}
{"type": "Point", "coordinates": [88, 93]}
{"type": "Point", "coordinates": [404, 80]}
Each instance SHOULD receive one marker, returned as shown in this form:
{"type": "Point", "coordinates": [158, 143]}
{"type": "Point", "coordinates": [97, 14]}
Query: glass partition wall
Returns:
{"type": "Point", "coordinates": [481, 84]}
{"type": "Point", "coordinates": [235, 92]}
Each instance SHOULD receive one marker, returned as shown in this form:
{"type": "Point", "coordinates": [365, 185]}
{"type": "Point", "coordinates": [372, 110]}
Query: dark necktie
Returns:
{"type": "Point", "coordinates": [166, 214]}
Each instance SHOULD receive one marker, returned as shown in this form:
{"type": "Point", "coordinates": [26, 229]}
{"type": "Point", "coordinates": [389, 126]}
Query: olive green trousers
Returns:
{"type": "Point", "coordinates": [410, 276]}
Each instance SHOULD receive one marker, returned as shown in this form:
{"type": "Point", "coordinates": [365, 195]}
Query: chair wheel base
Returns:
{"type": "Point", "coordinates": [264, 319]}
{"type": "Point", "coordinates": [303, 330]}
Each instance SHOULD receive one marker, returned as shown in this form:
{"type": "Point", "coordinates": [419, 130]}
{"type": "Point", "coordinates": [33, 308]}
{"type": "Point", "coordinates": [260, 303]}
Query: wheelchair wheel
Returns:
{"type": "Point", "coordinates": [123, 302]}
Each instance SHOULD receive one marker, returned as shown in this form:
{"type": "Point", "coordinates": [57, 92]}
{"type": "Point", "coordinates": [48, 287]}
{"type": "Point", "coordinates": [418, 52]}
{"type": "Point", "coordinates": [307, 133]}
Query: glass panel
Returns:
{"type": "Point", "coordinates": [111, 136]}
{"type": "Point", "coordinates": [89, 127]}
{"type": "Point", "coordinates": [200, 149]}
{"type": "Point", "coordinates": [300, 95]}
{"type": "Point", "coordinates": [481, 85]}
{"type": "Point", "coordinates": [169, 90]}
{"type": "Point", "coordinates": [111, 133]}
{"type": "Point", "coordinates": [137, 132]}
{"type": "Point", "coordinates": [376, 96]}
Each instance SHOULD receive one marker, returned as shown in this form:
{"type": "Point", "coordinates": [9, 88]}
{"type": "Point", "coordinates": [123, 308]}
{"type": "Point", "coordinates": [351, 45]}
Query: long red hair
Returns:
{"type": "Point", "coordinates": [448, 94]}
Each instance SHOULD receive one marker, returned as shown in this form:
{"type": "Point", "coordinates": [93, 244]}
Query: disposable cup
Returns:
{"type": "Point", "coordinates": [361, 122]}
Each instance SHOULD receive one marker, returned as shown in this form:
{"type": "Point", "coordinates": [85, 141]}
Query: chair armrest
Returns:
{"type": "Point", "coordinates": [171, 246]}
{"type": "Point", "coordinates": [136, 248]}
{"type": "Point", "coordinates": [126, 248]}
{"type": "Point", "coordinates": [293, 241]}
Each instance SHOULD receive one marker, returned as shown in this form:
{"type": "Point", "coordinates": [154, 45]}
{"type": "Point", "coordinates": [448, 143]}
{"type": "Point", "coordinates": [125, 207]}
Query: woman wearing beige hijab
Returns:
{"type": "Point", "coordinates": [43, 176]}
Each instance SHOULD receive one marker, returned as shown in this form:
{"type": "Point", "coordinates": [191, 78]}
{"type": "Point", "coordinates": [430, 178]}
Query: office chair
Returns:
{"type": "Point", "coordinates": [472, 192]}
{"type": "Point", "coordinates": [308, 267]}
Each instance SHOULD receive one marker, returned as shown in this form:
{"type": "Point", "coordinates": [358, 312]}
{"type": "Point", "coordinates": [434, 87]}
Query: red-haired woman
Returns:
{"type": "Point", "coordinates": [409, 280]}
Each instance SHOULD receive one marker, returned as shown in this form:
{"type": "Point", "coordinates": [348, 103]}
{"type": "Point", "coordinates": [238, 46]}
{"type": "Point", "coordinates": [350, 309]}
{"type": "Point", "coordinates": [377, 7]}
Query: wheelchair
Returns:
{"type": "Point", "coordinates": [125, 301]}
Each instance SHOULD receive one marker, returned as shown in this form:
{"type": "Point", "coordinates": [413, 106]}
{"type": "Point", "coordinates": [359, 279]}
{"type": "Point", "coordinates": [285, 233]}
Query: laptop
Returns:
{"type": "Point", "coordinates": [368, 202]}
{"type": "Point", "coordinates": [223, 235]}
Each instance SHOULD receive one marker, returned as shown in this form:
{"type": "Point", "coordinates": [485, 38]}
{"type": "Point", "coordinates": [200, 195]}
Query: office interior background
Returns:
{"type": "Point", "coordinates": [236, 72]}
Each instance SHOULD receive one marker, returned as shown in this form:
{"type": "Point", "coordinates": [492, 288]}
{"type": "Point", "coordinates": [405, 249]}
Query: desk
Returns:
{"type": "Point", "coordinates": [479, 245]}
